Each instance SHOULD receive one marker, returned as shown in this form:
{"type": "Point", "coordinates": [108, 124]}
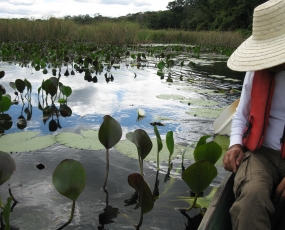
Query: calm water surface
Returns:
{"type": "Point", "coordinates": [42, 207]}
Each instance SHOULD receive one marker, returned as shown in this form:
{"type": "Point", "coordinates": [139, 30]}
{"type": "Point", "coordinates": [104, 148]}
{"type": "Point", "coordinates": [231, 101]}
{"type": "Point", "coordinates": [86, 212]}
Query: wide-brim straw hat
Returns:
{"type": "Point", "coordinates": [265, 48]}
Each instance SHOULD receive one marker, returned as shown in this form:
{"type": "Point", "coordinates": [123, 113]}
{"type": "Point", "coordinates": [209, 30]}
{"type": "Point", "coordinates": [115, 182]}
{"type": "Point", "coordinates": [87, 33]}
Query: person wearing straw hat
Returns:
{"type": "Point", "coordinates": [259, 183]}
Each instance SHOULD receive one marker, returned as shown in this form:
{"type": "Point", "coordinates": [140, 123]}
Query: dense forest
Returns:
{"type": "Point", "coordinates": [194, 15]}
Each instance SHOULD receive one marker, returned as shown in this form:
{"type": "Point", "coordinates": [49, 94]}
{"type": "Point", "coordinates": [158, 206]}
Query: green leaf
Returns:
{"type": "Point", "coordinates": [28, 84]}
{"type": "Point", "coordinates": [159, 144]}
{"type": "Point", "coordinates": [137, 181]}
{"type": "Point", "coordinates": [20, 85]}
{"type": "Point", "coordinates": [13, 85]}
{"type": "Point", "coordinates": [210, 151]}
{"type": "Point", "coordinates": [69, 178]}
{"type": "Point", "coordinates": [202, 140]}
{"type": "Point", "coordinates": [110, 132]}
{"type": "Point", "coordinates": [6, 213]}
{"type": "Point", "coordinates": [127, 148]}
{"type": "Point", "coordinates": [2, 74]}
{"type": "Point", "coordinates": [170, 142]}
{"type": "Point", "coordinates": [88, 140]}
{"type": "Point", "coordinates": [5, 103]}
{"type": "Point", "coordinates": [25, 142]}
{"type": "Point", "coordinates": [161, 65]}
{"type": "Point", "coordinates": [7, 167]}
{"type": "Point", "coordinates": [199, 175]}
{"type": "Point", "coordinates": [143, 142]}
{"type": "Point", "coordinates": [67, 91]}
{"type": "Point", "coordinates": [170, 63]}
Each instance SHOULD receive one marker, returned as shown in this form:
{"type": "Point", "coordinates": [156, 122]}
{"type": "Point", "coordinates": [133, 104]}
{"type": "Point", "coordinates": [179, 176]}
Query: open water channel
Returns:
{"type": "Point", "coordinates": [171, 102]}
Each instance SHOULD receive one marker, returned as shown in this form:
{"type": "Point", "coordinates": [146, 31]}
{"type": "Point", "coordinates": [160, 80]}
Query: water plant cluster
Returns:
{"type": "Point", "coordinates": [69, 177]}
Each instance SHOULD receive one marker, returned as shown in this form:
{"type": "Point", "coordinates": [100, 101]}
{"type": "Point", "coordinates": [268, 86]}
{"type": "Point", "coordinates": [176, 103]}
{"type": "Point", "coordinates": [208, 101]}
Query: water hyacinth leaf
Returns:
{"type": "Point", "coordinates": [69, 178]}
{"type": "Point", "coordinates": [20, 85]}
{"type": "Point", "coordinates": [110, 132]}
{"type": "Point", "coordinates": [127, 148]}
{"type": "Point", "coordinates": [170, 63]}
{"type": "Point", "coordinates": [6, 122]}
{"type": "Point", "coordinates": [161, 65]}
{"type": "Point", "coordinates": [7, 167]}
{"type": "Point", "coordinates": [143, 142]}
{"type": "Point", "coordinates": [25, 142]}
{"type": "Point", "coordinates": [28, 84]}
{"type": "Point", "coordinates": [2, 74]}
{"type": "Point", "coordinates": [6, 213]}
{"type": "Point", "coordinates": [13, 85]}
{"type": "Point", "coordinates": [5, 103]}
{"type": "Point", "coordinates": [202, 140]}
{"type": "Point", "coordinates": [137, 182]}
{"type": "Point", "coordinates": [170, 142]}
{"type": "Point", "coordinates": [210, 151]}
{"type": "Point", "coordinates": [88, 140]}
{"type": "Point", "coordinates": [199, 175]}
{"type": "Point", "coordinates": [66, 91]}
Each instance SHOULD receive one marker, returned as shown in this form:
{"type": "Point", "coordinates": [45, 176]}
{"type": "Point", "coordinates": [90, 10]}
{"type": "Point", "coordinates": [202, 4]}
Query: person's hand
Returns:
{"type": "Point", "coordinates": [279, 195]}
{"type": "Point", "coordinates": [233, 157]}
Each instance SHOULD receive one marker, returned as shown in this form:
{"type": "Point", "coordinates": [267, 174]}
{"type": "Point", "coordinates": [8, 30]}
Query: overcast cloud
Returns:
{"type": "Point", "coordinates": [61, 8]}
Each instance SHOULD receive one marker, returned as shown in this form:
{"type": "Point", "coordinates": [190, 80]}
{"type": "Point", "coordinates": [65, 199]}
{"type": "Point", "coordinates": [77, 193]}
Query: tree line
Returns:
{"type": "Point", "coordinates": [193, 15]}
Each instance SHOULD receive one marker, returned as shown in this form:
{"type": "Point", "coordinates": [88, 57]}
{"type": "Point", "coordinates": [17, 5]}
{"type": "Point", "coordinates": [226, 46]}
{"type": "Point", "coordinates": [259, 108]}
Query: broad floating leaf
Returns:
{"type": "Point", "coordinates": [137, 181]}
{"type": "Point", "coordinates": [199, 175]}
{"type": "Point", "coordinates": [69, 178]}
{"type": "Point", "coordinates": [7, 167]}
{"type": "Point", "coordinates": [25, 142]}
{"type": "Point", "coordinates": [88, 140]}
{"type": "Point", "coordinates": [110, 132]}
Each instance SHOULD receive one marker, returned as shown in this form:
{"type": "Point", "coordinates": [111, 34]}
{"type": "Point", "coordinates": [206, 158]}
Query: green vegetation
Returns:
{"type": "Point", "coordinates": [123, 32]}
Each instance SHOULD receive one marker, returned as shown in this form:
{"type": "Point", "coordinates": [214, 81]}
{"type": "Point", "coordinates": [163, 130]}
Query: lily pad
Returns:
{"type": "Point", "coordinates": [25, 142]}
{"type": "Point", "coordinates": [204, 112]}
{"type": "Point", "coordinates": [88, 140]}
{"type": "Point", "coordinates": [171, 96]}
{"type": "Point", "coordinates": [129, 149]}
{"type": "Point", "coordinates": [199, 102]}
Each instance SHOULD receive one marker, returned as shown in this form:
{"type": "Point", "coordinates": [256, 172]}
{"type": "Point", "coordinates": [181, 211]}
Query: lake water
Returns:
{"type": "Point", "coordinates": [42, 207]}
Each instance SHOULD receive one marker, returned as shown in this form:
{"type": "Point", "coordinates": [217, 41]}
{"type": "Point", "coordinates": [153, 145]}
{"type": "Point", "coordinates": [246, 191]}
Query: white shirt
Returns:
{"type": "Point", "coordinates": [276, 117]}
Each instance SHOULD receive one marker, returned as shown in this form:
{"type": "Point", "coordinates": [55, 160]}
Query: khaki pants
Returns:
{"type": "Point", "coordinates": [255, 182]}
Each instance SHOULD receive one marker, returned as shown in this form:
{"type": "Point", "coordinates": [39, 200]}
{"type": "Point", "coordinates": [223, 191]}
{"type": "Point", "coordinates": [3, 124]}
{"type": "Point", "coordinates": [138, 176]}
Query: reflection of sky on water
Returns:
{"type": "Point", "coordinates": [91, 101]}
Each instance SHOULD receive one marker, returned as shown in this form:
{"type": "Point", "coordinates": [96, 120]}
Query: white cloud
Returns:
{"type": "Point", "coordinates": [61, 8]}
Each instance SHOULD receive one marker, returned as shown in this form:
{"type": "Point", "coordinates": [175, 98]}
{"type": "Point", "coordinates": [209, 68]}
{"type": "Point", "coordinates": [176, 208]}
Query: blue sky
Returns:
{"type": "Point", "coordinates": [61, 8]}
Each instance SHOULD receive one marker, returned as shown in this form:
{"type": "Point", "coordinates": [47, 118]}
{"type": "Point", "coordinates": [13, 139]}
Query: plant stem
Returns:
{"type": "Point", "coordinates": [140, 223]}
{"type": "Point", "coordinates": [192, 206]}
{"type": "Point", "coordinates": [141, 165]}
{"type": "Point", "coordinates": [10, 192]}
{"type": "Point", "coordinates": [157, 163]}
{"type": "Point", "coordinates": [107, 168]}
{"type": "Point", "coordinates": [70, 218]}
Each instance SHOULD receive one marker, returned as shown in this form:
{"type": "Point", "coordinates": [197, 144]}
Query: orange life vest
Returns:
{"type": "Point", "coordinates": [261, 95]}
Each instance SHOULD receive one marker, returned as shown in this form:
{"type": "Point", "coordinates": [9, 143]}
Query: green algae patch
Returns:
{"type": "Point", "coordinates": [88, 140]}
{"type": "Point", "coordinates": [171, 96]}
{"type": "Point", "coordinates": [199, 102]}
{"type": "Point", "coordinates": [25, 142]}
{"type": "Point", "coordinates": [128, 148]}
{"type": "Point", "coordinates": [204, 112]}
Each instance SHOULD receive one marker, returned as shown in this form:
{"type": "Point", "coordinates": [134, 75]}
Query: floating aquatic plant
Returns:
{"type": "Point", "coordinates": [69, 179]}
{"type": "Point", "coordinates": [146, 200]}
{"type": "Point", "coordinates": [143, 143]}
{"type": "Point", "coordinates": [109, 134]}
